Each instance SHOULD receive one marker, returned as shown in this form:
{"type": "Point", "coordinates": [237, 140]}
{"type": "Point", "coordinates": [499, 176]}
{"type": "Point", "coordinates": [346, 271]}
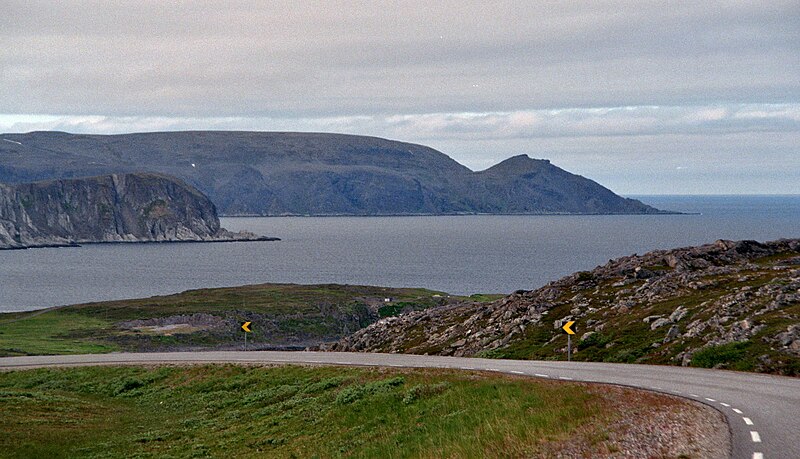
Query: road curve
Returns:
{"type": "Point", "coordinates": [763, 411]}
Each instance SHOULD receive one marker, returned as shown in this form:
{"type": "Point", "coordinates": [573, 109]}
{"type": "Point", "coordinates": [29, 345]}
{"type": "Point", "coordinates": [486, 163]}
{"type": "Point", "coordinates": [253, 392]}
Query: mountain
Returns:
{"type": "Point", "coordinates": [285, 173]}
{"type": "Point", "coordinates": [141, 207]}
{"type": "Point", "coordinates": [730, 304]}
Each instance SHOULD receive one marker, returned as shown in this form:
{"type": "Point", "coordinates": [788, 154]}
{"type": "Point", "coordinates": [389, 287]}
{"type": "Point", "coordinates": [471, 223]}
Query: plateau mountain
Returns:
{"type": "Point", "coordinates": [291, 173]}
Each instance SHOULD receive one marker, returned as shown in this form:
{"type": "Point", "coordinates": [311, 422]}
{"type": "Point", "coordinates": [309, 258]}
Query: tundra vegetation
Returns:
{"type": "Point", "coordinates": [284, 316]}
{"type": "Point", "coordinates": [294, 411]}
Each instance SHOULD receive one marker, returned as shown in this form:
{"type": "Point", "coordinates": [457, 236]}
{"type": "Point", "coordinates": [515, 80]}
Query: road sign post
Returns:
{"type": "Point", "coordinates": [567, 328]}
{"type": "Point", "coordinates": [246, 328]}
{"type": "Point", "coordinates": [569, 347]}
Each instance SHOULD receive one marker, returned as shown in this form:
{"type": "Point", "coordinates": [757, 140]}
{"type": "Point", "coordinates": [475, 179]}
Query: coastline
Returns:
{"type": "Point", "coordinates": [182, 241]}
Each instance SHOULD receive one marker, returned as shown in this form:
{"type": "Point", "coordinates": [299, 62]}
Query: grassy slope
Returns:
{"type": "Point", "coordinates": [225, 410]}
{"type": "Point", "coordinates": [282, 313]}
{"type": "Point", "coordinates": [627, 339]}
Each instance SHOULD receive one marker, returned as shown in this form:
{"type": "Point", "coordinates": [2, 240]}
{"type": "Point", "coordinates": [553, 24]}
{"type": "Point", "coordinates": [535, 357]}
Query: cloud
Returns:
{"type": "Point", "coordinates": [523, 124]}
{"type": "Point", "coordinates": [332, 58]}
{"type": "Point", "coordinates": [621, 91]}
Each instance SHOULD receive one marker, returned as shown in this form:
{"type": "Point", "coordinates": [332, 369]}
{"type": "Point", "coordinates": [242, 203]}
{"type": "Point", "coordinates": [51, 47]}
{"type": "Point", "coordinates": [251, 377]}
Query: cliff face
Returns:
{"type": "Point", "coordinates": [112, 208]}
{"type": "Point", "coordinates": [727, 305]}
{"type": "Point", "coordinates": [291, 173]}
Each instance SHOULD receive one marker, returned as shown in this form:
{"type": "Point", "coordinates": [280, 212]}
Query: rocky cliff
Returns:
{"type": "Point", "coordinates": [292, 173]}
{"type": "Point", "coordinates": [727, 305]}
{"type": "Point", "coordinates": [141, 207]}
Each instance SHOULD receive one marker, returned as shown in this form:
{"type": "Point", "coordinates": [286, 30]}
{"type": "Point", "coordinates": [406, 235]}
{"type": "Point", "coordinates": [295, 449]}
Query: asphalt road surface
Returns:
{"type": "Point", "coordinates": [763, 411]}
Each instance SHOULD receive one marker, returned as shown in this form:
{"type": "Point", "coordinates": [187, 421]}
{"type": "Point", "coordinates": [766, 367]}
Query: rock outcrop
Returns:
{"type": "Point", "coordinates": [728, 304]}
{"type": "Point", "coordinates": [139, 207]}
{"type": "Point", "coordinates": [294, 173]}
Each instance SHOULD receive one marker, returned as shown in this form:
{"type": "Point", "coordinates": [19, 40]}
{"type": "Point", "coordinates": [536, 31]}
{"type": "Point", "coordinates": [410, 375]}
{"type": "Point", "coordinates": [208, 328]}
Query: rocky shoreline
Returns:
{"type": "Point", "coordinates": [244, 238]}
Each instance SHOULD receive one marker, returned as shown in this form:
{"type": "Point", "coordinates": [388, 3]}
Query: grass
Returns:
{"type": "Point", "coordinates": [49, 333]}
{"type": "Point", "coordinates": [282, 315]}
{"type": "Point", "coordinates": [285, 412]}
{"type": "Point", "coordinates": [261, 298]}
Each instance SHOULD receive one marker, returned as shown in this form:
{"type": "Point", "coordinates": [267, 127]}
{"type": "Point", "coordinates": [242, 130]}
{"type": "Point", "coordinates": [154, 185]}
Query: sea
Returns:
{"type": "Point", "coordinates": [454, 254]}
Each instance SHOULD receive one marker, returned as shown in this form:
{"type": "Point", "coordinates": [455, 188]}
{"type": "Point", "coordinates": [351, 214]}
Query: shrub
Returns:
{"type": "Point", "coordinates": [424, 390]}
{"type": "Point", "coordinates": [355, 392]}
{"type": "Point", "coordinates": [723, 354]}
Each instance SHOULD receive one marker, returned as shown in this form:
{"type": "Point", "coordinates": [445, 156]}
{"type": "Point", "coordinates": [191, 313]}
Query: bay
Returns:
{"type": "Point", "coordinates": [455, 254]}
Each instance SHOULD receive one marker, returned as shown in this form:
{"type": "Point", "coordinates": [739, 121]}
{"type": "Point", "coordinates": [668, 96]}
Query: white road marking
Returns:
{"type": "Point", "coordinates": [694, 395]}
{"type": "Point", "coordinates": [710, 399]}
{"type": "Point", "coordinates": [758, 455]}
{"type": "Point", "coordinates": [565, 378]}
{"type": "Point", "coordinates": [541, 375]}
{"type": "Point", "coordinates": [394, 365]}
{"type": "Point", "coordinates": [724, 404]}
{"type": "Point", "coordinates": [517, 372]}
{"type": "Point", "coordinates": [343, 363]}
{"type": "Point", "coordinates": [736, 411]}
{"type": "Point", "coordinates": [467, 368]}
{"type": "Point", "coordinates": [493, 369]}
{"type": "Point", "coordinates": [748, 421]}
{"type": "Point", "coordinates": [13, 141]}
{"type": "Point", "coordinates": [755, 436]}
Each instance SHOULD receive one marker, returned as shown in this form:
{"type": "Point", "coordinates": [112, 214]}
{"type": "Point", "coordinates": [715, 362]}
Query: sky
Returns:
{"type": "Point", "coordinates": [643, 97]}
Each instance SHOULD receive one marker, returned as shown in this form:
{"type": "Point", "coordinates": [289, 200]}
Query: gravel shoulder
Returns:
{"type": "Point", "coordinates": [648, 425]}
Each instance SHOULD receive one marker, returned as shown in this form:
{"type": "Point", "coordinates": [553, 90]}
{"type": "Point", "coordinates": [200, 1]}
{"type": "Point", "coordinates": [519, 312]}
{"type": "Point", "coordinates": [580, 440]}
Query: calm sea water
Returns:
{"type": "Point", "coordinates": [459, 254]}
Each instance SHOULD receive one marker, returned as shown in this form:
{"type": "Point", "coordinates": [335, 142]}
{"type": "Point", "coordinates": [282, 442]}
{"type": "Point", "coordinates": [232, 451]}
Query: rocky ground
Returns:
{"type": "Point", "coordinates": [726, 305]}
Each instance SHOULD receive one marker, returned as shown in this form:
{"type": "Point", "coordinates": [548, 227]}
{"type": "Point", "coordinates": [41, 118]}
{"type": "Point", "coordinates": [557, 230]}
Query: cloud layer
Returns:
{"type": "Point", "coordinates": [686, 96]}
{"type": "Point", "coordinates": [331, 58]}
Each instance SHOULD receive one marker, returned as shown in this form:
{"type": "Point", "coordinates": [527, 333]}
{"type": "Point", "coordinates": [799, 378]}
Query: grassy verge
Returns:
{"type": "Point", "coordinates": [225, 410]}
{"type": "Point", "coordinates": [282, 315]}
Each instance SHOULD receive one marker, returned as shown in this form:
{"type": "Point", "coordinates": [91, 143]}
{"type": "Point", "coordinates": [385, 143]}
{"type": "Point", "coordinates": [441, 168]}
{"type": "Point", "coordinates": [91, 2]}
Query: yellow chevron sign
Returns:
{"type": "Point", "coordinates": [246, 327]}
{"type": "Point", "coordinates": [567, 328]}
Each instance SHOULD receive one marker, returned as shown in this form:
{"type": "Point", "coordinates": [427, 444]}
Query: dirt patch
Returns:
{"type": "Point", "coordinates": [168, 330]}
{"type": "Point", "coordinates": [178, 324]}
{"type": "Point", "coordinates": [649, 425]}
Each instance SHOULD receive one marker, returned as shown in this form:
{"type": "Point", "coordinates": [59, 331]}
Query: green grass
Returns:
{"type": "Point", "coordinates": [50, 333]}
{"type": "Point", "coordinates": [261, 298]}
{"type": "Point", "coordinates": [284, 412]}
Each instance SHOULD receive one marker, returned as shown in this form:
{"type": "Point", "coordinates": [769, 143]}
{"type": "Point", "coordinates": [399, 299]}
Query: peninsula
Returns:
{"type": "Point", "coordinates": [140, 207]}
{"type": "Point", "coordinates": [295, 173]}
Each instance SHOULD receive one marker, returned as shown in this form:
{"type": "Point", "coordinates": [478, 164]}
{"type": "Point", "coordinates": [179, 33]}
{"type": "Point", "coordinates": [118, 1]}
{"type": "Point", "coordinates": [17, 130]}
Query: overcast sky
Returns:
{"type": "Point", "coordinates": [644, 97]}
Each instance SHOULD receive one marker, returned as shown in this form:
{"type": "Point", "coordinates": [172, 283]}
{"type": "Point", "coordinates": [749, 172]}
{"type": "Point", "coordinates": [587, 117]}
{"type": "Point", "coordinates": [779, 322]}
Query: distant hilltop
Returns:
{"type": "Point", "coordinates": [289, 173]}
{"type": "Point", "coordinates": [142, 207]}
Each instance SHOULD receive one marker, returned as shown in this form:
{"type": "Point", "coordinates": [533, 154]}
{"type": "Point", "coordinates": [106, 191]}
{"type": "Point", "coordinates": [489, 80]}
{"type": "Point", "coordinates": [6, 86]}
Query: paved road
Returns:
{"type": "Point", "coordinates": [763, 411]}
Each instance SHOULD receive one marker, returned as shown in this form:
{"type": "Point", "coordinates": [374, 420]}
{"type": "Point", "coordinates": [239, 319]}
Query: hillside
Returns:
{"type": "Point", "coordinates": [284, 173]}
{"type": "Point", "coordinates": [728, 304]}
{"type": "Point", "coordinates": [284, 316]}
{"type": "Point", "coordinates": [140, 207]}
